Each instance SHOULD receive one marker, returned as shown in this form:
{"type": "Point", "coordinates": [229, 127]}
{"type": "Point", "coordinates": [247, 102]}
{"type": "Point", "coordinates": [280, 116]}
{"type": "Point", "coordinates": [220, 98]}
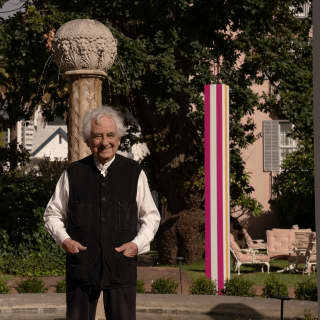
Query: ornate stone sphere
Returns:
{"type": "Point", "coordinates": [84, 44]}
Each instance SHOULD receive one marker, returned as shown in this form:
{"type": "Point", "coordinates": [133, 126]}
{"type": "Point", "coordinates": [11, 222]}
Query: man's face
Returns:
{"type": "Point", "coordinates": [104, 140]}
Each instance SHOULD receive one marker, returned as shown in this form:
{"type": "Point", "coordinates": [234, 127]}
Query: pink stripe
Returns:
{"type": "Point", "coordinates": [219, 136]}
{"type": "Point", "coordinates": [207, 180]}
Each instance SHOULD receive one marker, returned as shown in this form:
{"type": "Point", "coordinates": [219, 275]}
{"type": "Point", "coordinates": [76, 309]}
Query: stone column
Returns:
{"type": "Point", "coordinates": [83, 50]}
{"type": "Point", "coordinates": [85, 91]}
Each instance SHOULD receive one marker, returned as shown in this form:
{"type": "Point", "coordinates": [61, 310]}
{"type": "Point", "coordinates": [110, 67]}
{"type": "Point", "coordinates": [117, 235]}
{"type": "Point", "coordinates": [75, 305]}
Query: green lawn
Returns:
{"type": "Point", "coordinates": [253, 272]}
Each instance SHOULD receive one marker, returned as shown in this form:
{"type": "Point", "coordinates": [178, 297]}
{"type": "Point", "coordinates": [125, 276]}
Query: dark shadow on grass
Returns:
{"type": "Point", "coordinates": [275, 268]}
{"type": "Point", "coordinates": [194, 270]}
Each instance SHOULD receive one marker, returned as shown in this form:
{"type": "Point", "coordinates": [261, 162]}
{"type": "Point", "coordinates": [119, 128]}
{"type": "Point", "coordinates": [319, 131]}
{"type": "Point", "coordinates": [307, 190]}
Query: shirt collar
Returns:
{"type": "Point", "coordinates": [103, 168]}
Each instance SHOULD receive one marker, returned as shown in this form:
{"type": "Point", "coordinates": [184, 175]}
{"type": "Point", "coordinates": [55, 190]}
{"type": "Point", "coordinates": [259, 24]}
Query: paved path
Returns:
{"type": "Point", "coordinates": [17, 306]}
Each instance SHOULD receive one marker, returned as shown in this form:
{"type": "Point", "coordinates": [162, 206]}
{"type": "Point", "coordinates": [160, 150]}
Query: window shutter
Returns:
{"type": "Point", "coordinates": [271, 150]}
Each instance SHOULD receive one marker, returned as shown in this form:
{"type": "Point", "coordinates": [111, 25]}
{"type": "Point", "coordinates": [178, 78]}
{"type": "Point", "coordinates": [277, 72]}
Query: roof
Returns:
{"type": "Point", "coordinates": [58, 131]}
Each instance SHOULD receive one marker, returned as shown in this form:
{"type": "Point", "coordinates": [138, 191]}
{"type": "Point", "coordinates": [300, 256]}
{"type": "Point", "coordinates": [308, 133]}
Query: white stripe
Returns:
{"type": "Point", "coordinates": [226, 183]}
{"type": "Point", "coordinates": [224, 195]}
{"type": "Point", "coordinates": [227, 202]}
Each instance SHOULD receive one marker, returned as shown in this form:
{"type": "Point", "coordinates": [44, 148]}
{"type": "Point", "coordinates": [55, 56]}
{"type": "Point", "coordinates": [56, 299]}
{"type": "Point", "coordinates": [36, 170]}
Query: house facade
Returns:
{"type": "Point", "coordinates": [263, 161]}
{"type": "Point", "coordinates": [263, 158]}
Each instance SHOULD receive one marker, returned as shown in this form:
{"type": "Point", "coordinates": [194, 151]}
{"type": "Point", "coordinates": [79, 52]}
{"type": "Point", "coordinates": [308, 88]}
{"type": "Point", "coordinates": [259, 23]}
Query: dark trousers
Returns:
{"type": "Point", "coordinates": [119, 303]}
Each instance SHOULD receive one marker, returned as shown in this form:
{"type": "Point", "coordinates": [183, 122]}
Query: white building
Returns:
{"type": "Point", "coordinates": [50, 141]}
{"type": "Point", "coordinates": [42, 139]}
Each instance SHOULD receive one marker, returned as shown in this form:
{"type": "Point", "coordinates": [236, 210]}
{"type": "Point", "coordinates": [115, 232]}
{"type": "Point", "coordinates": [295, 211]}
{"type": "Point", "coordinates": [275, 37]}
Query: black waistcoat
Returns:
{"type": "Point", "coordinates": [102, 215]}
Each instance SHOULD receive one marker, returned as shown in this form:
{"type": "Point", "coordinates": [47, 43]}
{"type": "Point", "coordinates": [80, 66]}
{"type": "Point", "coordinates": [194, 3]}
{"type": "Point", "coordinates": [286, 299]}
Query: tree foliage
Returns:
{"type": "Point", "coordinates": [23, 66]}
{"type": "Point", "coordinates": [167, 51]}
{"type": "Point", "coordinates": [282, 52]}
{"type": "Point", "coordinates": [280, 49]}
{"type": "Point", "coordinates": [12, 153]}
{"type": "Point", "coordinates": [294, 200]}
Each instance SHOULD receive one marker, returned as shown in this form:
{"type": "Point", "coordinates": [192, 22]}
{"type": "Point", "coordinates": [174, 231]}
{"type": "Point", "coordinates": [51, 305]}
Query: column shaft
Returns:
{"type": "Point", "coordinates": [85, 95]}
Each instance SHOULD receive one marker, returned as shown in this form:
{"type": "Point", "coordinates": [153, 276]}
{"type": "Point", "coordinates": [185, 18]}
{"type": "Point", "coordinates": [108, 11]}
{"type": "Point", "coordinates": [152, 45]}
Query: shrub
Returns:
{"type": "Point", "coordinates": [35, 254]}
{"type": "Point", "coordinates": [20, 196]}
{"type": "Point", "coordinates": [306, 290]}
{"type": "Point", "coordinates": [4, 287]}
{"type": "Point", "coordinates": [238, 286]}
{"type": "Point", "coordinates": [61, 286]}
{"type": "Point", "coordinates": [163, 286]}
{"type": "Point", "coordinates": [140, 287]}
{"type": "Point", "coordinates": [274, 287]}
{"type": "Point", "coordinates": [203, 285]}
{"type": "Point", "coordinates": [32, 285]}
{"type": "Point", "coordinates": [34, 263]}
{"type": "Point", "coordinates": [25, 246]}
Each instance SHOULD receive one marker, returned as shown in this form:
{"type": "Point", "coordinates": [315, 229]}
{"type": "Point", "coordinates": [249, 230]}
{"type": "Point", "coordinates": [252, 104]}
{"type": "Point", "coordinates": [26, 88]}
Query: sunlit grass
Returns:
{"type": "Point", "coordinates": [195, 270]}
{"type": "Point", "coordinates": [253, 272]}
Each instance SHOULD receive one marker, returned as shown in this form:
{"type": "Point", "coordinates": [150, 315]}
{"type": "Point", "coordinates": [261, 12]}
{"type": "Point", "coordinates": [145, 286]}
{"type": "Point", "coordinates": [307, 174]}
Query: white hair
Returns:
{"type": "Point", "coordinates": [96, 115]}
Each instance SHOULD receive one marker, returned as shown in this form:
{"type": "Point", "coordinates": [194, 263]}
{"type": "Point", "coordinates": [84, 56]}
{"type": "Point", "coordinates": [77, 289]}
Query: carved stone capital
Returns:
{"type": "Point", "coordinates": [84, 44]}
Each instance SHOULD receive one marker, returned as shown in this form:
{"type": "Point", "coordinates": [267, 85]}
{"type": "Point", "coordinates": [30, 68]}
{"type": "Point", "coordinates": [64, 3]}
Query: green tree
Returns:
{"type": "Point", "coordinates": [23, 58]}
{"type": "Point", "coordinates": [294, 200]}
{"type": "Point", "coordinates": [162, 66]}
{"type": "Point", "coordinates": [277, 48]}
{"type": "Point", "coordinates": [282, 52]}
{"type": "Point", "coordinates": [280, 49]}
{"type": "Point", "coordinates": [168, 50]}
{"type": "Point", "coordinates": [12, 151]}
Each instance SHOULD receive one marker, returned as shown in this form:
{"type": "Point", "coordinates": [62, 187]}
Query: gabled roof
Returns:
{"type": "Point", "coordinates": [49, 139]}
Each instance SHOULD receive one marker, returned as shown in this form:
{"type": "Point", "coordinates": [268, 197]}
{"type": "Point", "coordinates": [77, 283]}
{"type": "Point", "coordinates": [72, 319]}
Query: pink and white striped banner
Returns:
{"type": "Point", "coordinates": [217, 215]}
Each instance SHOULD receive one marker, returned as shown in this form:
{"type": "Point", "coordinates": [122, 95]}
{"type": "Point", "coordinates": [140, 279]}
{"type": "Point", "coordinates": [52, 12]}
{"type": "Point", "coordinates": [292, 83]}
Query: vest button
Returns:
{"type": "Point", "coordinates": [103, 219]}
{"type": "Point", "coordinates": [103, 184]}
{"type": "Point", "coordinates": [103, 198]}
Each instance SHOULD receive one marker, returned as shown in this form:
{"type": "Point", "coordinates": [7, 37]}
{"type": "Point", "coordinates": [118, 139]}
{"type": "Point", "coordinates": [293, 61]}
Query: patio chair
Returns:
{"type": "Point", "coordinates": [311, 254]}
{"type": "Point", "coordinates": [305, 250]}
{"type": "Point", "coordinates": [258, 244]}
{"type": "Point", "coordinates": [247, 256]}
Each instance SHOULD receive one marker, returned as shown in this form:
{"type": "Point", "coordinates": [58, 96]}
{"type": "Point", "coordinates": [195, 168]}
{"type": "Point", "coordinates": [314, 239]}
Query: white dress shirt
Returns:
{"type": "Point", "coordinates": [55, 216]}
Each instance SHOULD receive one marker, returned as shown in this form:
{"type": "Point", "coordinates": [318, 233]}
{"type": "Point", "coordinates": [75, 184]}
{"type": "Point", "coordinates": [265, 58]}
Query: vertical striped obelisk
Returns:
{"type": "Point", "coordinates": [217, 221]}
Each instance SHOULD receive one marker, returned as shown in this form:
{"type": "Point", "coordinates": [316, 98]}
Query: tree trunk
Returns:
{"type": "Point", "coordinates": [13, 161]}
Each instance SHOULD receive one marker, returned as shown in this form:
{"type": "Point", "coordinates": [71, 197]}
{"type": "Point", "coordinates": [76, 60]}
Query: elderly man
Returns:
{"type": "Point", "coordinates": [103, 215]}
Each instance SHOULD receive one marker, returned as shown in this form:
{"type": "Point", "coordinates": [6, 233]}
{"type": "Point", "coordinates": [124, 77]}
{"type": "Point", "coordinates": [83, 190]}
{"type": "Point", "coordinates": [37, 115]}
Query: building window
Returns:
{"type": "Point", "coordinates": [60, 139]}
{"type": "Point", "coordinates": [304, 11]}
{"type": "Point", "coordinates": [287, 144]}
{"type": "Point", "coordinates": [276, 144]}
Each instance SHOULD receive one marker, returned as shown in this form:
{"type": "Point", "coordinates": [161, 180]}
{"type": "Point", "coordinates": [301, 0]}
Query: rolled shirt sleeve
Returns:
{"type": "Point", "coordinates": [148, 215]}
{"type": "Point", "coordinates": [55, 216]}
